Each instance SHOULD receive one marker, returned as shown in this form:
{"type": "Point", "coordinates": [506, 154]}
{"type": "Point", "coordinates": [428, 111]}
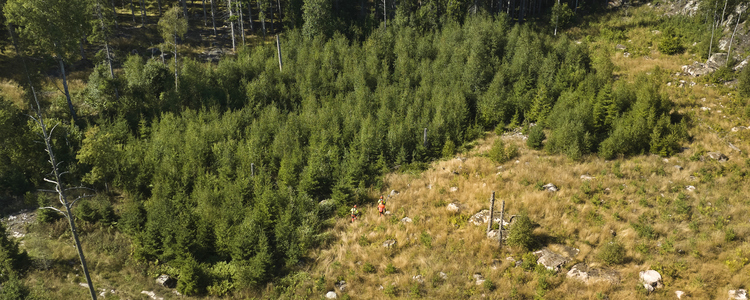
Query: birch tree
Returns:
{"type": "Point", "coordinates": [171, 27]}
{"type": "Point", "coordinates": [54, 26]}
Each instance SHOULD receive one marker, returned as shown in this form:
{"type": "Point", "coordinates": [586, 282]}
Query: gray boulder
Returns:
{"type": "Point", "coordinates": [651, 280]}
{"type": "Point", "coordinates": [389, 243]}
{"type": "Point", "coordinates": [717, 156]}
{"type": "Point", "coordinates": [582, 272]}
{"type": "Point", "coordinates": [551, 260]}
{"type": "Point", "coordinates": [331, 295]}
{"type": "Point", "coordinates": [166, 281]}
{"type": "Point", "coordinates": [550, 187]}
{"type": "Point", "coordinates": [738, 294]}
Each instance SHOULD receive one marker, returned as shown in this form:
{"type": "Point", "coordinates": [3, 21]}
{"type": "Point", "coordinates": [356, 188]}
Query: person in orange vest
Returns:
{"type": "Point", "coordinates": [355, 212]}
{"type": "Point", "coordinates": [381, 206]}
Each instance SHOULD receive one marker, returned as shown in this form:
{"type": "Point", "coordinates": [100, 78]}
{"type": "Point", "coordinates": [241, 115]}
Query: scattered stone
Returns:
{"type": "Point", "coordinates": [738, 128]}
{"type": "Point", "coordinates": [678, 167]}
{"type": "Point", "coordinates": [429, 186]}
{"type": "Point", "coordinates": [651, 280]}
{"type": "Point", "coordinates": [389, 243]}
{"type": "Point", "coordinates": [740, 294]}
{"type": "Point", "coordinates": [492, 234]}
{"type": "Point", "coordinates": [443, 275]}
{"type": "Point", "coordinates": [152, 295]}
{"type": "Point", "coordinates": [582, 272]}
{"type": "Point", "coordinates": [331, 295]}
{"type": "Point", "coordinates": [479, 278]}
{"type": "Point", "coordinates": [394, 193]}
{"type": "Point", "coordinates": [380, 288]}
{"type": "Point", "coordinates": [214, 55]}
{"type": "Point", "coordinates": [83, 284]}
{"type": "Point", "coordinates": [176, 292]}
{"type": "Point", "coordinates": [550, 187]}
{"type": "Point", "coordinates": [626, 54]}
{"type": "Point", "coordinates": [550, 260]}
{"type": "Point", "coordinates": [587, 177]}
{"type": "Point", "coordinates": [418, 278]}
{"type": "Point", "coordinates": [341, 285]}
{"type": "Point", "coordinates": [406, 220]}
{"type": "Point", "coordinates": [387, 213]}
{"type": "Point", "coordinates": [718, 156]}
{"type": "Point", "coordinates": [324, 202]}
{"type": "Point", "coordinates": [679, 294]}
{"type": "Point", "coordinates": [166, 281]}
{"type": "Point", "coordinates": [454, 189]}
{"type": "Point", "coordinates": [454, 207]}
{"type": "Point", "coordinates": [519, 263]}
{"type": "Point", "coordinates": [690, 188]}
{"type": "Point", "coordinates": [483, 217]}
{"type": "Point", "coordinates": [620, 47]}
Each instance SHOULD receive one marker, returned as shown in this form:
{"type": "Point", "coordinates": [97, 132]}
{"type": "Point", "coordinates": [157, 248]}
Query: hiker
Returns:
{"type": "Point", "coordinates": [355, 212]}
{"type": "Point", "coordinates": [381, 206]}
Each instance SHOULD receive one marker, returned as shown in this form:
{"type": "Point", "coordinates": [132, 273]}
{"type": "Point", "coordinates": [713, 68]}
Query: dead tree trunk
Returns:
{"type": "Point", "coordinates": [60, 190]}
{"type": "Point", "coordinates": [231, 22]}
{"type": "Point", "coordinates": [731, 40]}
{"type": "Point", "coordinates": [205, 20]}
{"type": "Point", "coordinates": [262, 17]}
{"type": "Point", "coordinates": [281, 21]}
{"type": "Point", "coordinates": [492, 210]}
{"type": "Point", "coordinates": [65, 87]}
{"type": "Point", "coordinates": [213, 19]}
{"type": "Point", "coordinates": [184, 9]}
{"type": "Point", "coordinates": [278, 51]}
{"type": "Point", "coordinates": [132, 11]}
{"type": "Point", "coordinates": [250, 16]}
{"type": "Point", "coordinates": [158, 4]}
{"type": "Point", "coordinates": [500, 229]}
{"type": "Point", "coordinates": [724, 11]}
{"type": "Point", "coordinates": [242, 21]}
{"type": "Point", "coordinates": [106, 45]}
{"type": "Point", "coordinates": [713, 26]}
{"type": "Point", "coordinates": [143, 14]}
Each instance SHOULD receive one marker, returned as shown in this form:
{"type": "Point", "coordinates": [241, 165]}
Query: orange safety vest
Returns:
{"type": "Point", "coordinates": [381, 207]}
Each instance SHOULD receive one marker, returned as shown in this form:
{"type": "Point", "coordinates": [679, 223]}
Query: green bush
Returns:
{"type": "Point", "coordinates": [489, 285]}
{"type": "Point", "coordinates": [670, 44]}
{"type": "Point", "coordinates": [188, 282]}
{"type": "Point", "coordinates": [368, 268]}
{"type": "Point", "coordinates": [521, 233]}
{"type": "Point", "coordinates": [497, 152]}
{"type": "Point", "coordinates": [390, 269]}
{"type": "Point", "coordinates": [448, 149]}
{"type": "Point", "coordinates": [391, 290]}
{"type": "Point", "coordinates": [744, 82]}
{"type": "Point", "coordinates": [536, 137]}
{"type": "Point", "coordinates": [46, 216]}
{"type": "Point", "coordinates": [612, 253]}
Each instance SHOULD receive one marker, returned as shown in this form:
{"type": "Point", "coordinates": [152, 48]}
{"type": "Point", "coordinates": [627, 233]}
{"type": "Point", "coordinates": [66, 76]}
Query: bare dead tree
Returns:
{"type": "Point", "coordinates": [729, 52]}
{"type": "Point", "coordinates": [60, 188]}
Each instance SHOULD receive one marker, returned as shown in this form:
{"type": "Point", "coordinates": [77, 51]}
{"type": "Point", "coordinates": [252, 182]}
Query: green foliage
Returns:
{"type": "Point", "coordinates": [448, 149]}
{"type": "Point", "coordinates": [390, 269]}
{"type": "Point", "coordinates": [562, 15]}
{"type": "Point", "coordinates": [425, 239]}
{"type": "Point", "coordinates": [612, 253]}
{"type": "Point", "coordinates": [391, 290]}
{"type": "Point", "coordinates": [536, 137]}
{"type": "Point", "coordinates": [19, 157]}
{"type": "Point", "coordinates": [501, 153]}
{"type": "Point", "coordinates": [368, 268]}
{"type": "Point", "coordinates": [95, 210]}
{"type": "Point", "coordinates": [489, 285]}
{"type": "Point", "coordinates": [188, 282]}
{"type": "Point", "coordinates": [670, 43]}
{"type": "Point", "coordinates": [643, 229]}
{"type": "Point", "coordinates": [12, 263]}
{"type": "Point", "coordinates": [521, 233]}
{"type": "Point", "coordinates": [529, 261]}
{"type": "Point", "coordinates": [743, 85]}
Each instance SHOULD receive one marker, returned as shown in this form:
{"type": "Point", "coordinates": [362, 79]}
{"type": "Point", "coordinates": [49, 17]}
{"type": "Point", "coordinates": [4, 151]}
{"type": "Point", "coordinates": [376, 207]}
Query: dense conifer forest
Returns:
{"type": "Point", "coordinates": [227, 174]}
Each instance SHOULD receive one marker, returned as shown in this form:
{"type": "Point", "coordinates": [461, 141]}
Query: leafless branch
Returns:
{"type": "Point", "coordinates": [51, 181]}
{"type": "Point", "coordinates": [80, 188]}
{"type": "Point", "coordinates": [55, 209]}
{"type": "Point", "coordinates": [79, 198]}
{"type": "Point", "coordinates": [46, 191]}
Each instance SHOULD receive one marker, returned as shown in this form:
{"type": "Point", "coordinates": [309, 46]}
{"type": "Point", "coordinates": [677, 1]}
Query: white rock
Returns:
{"type": "Point", "coordinates": [651, 280]}
{"type": "Point", "coordinates": [738, 294]}
{"type": "Point", "coordinates": [679, 294]}
{"type": "Point", "coordinates": [443, 275]}
{"type": "Point", "coordinates": [587, 177]}
{"type": "Point", "coordinates": [479, 278]}
{"type": "Point", "coordinates": [394, 193]}
{"type": "Point", "coordinates": [418, 278]}
{"type": "Point", "coordinates": [454, 189]}
{"type": "Point", "coordinates": [331, 295]}
{"type": "Point", "coordinates": [389, 243]}
{"type": "Point", "coordinates": [151, 295]}
{"type": "Point", "coordinates": [406, 220]}
{"type": "Point", "coordinates": [690, 188]}
{"type": "Point", "coordinates": [454, 207]}
{"type": "Point", "coordinates": [341, 285]}
{"type": "Point", "coordinates": [550, 187]}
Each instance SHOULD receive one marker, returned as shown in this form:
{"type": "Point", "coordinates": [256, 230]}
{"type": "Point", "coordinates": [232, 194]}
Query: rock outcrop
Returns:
{"type": "Point", "coordinates": [166, 281]}
{"type": "Point", "coordinates": [582, 272]}
{"type": "Point", "coordinates": [651, 280]}
{"type": "Point", "coordinates": [552, 260]}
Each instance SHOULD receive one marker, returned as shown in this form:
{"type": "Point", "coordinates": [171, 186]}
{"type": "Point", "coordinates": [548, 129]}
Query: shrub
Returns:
{"type": "Point", "coordinates": [521, 233]}
{"type": "Point", "coordinates": [497, 152]}
{"type": "Point", "coordinates": [425, 239]}
{"type": "Point", "coordinates": [390, 269]}
{"type": "Point", "coordinates": [536, 137]}
{"type": "Point", "coordinates": [448, 149]}
{"type": "Point", "coordinates": [368, 268]}
{"type": "Point", "coordinates": [391, 290]}
{"type": "Point", "coordinates": [187, 284]}
{"type": "Point", "coordinates": [612, 253]}
{"type": "Point", "coordinates": [489, 285]}
{"type": "Point", "coordinates": [670, 44]}
{"type": "Point", "coordinates": [744, 83]}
